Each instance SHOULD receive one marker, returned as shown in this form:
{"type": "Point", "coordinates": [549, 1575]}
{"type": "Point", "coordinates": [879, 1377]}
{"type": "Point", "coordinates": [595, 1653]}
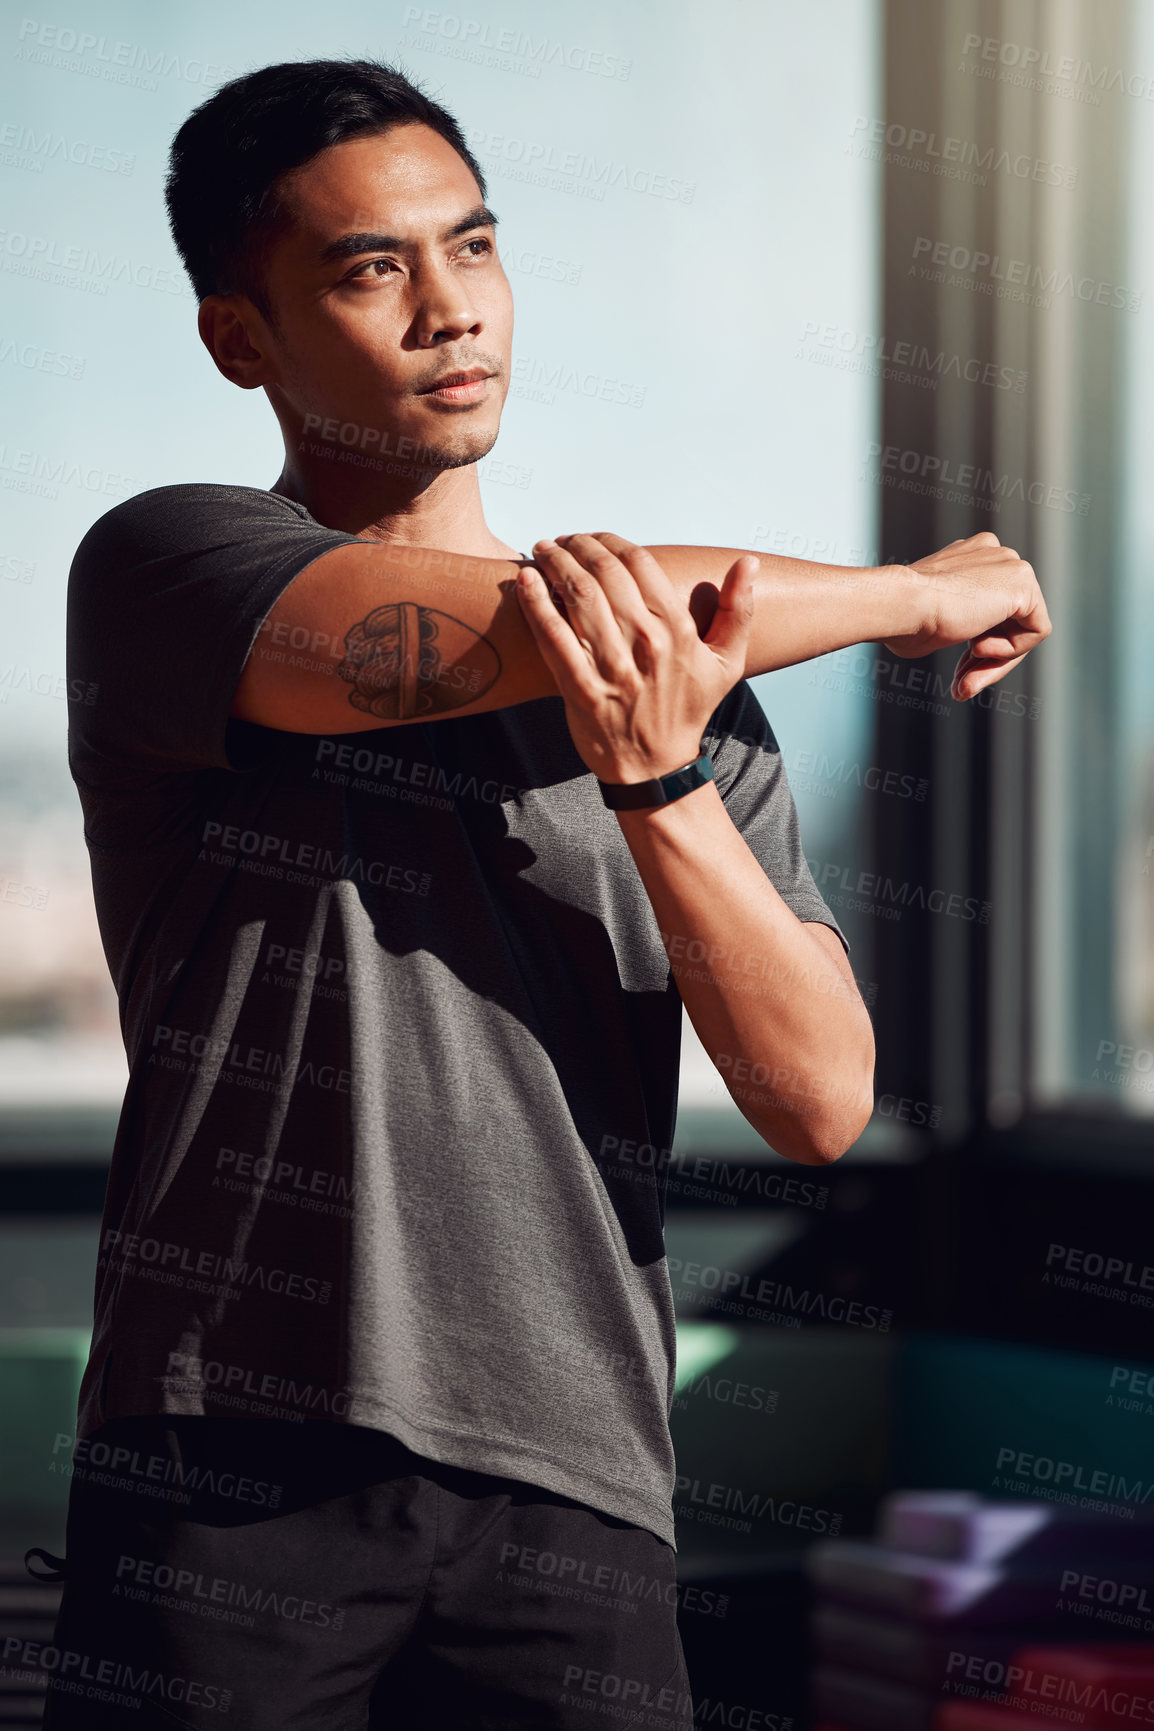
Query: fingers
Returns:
{"type": "Point", "coordinates": [633, 580]}
{"type": "Point", "coordinates": [618, 600]}
{"type": "Point", "coordinates": [614, 579]}
{"type": "Point", "coordinates": [728, 634]}
{"type": "Point", "coordinates": [566, 657]}
{"type": "Point", "coordinates": [1029, 624]}
{"type": "Point", "coordinates": [974, 673]}
{"type": "Point", "coordinates": [588, 608]}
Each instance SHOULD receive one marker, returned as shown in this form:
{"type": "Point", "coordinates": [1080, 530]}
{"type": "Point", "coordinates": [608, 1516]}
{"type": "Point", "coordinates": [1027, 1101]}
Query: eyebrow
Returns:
{"type": "Point", "coordinates": [349, 245]}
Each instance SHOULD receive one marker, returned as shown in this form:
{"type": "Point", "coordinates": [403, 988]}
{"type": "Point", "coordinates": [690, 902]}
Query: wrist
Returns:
{"type": "Point", "coordinates": [625, 769]}
{"type": "Point", "coordinates": [910, 600]}
{"type": "Point", "coordinates": [676, 825]}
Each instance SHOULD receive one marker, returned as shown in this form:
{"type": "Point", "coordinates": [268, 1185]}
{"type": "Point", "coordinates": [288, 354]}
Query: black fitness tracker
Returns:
{"type": "Point", "coordinates": [662, 790]}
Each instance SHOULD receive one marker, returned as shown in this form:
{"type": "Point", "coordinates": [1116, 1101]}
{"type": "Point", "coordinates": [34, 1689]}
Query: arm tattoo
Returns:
{"type": "Point", "coordinates": [405, 661]}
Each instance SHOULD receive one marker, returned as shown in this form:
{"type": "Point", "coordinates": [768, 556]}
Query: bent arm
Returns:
{"type": "Point", "coordinates": [376, 635]}
{"type": "Point", "coordinates": [371, 635]}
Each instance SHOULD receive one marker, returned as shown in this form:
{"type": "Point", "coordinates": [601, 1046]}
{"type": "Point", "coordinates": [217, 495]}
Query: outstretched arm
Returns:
{"type": "Point", "coordinates": [974, 592]}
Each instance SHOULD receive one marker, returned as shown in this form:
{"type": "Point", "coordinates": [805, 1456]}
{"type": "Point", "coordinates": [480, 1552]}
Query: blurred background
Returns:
{"type": "Point", "coordinates": [879, 274]}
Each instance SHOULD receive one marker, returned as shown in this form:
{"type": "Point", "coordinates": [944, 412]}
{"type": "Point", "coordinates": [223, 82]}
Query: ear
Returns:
{"type": "Point", "coordinates": [238, 339]}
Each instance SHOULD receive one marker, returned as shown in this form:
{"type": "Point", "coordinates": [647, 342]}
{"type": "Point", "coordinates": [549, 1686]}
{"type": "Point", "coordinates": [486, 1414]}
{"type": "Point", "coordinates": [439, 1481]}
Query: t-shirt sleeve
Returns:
{"type": "Point", "coordinates": [751, 779]}
{"type": "Point", "coordinates": [166, 595]}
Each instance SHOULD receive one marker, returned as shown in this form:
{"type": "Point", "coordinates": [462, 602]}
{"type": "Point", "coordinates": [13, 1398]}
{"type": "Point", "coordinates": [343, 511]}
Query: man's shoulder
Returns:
{"type": "Point", "coordinates": [177, 517]}
{"type": "Point", "coordinates": [186, 500]}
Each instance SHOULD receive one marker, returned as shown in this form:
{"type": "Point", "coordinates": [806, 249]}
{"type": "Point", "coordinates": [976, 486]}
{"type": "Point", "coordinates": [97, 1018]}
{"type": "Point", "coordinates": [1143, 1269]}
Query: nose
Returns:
{"type": "Point", "coordinates": [445, 310]}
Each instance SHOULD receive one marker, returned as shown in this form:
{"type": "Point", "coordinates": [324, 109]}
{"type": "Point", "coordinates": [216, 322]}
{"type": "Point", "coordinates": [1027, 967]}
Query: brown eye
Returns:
{"type": "Point", "coordinates": [361, 269]}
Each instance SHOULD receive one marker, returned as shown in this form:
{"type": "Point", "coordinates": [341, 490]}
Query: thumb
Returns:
{"type": "Point", "coordinates": [728, 634]}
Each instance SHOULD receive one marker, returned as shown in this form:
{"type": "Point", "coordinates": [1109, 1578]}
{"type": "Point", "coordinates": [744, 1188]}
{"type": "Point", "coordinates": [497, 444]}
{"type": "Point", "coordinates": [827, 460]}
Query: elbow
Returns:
{"type": "Point", "coordinates": [814, 1121]}
{"type": "Point", "coordinates": [829, 1138]}
{"type": "Point", "coordinates": [823, 1136]}
{"type": "Point", "coordinates": [816, 1138]}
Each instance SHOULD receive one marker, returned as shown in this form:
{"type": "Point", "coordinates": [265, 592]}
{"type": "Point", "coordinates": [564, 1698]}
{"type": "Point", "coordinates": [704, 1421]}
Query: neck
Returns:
{"type": "Point", "coordinates": [444, 512]}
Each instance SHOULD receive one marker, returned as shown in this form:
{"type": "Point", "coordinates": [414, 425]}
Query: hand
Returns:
{"type": "Point", "coordinates": [981, 594]}
{"type": "Point", "coordinates": [639, 684]}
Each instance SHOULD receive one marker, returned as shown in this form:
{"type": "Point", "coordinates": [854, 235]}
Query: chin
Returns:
{"type": "Point", "coordinates": [457, 453]}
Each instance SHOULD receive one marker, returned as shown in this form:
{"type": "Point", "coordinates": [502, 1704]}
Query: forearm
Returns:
{"type": "Point", "coordinates": [785, 1026]}
{"type": "Point", "coordinates": [802, 609]}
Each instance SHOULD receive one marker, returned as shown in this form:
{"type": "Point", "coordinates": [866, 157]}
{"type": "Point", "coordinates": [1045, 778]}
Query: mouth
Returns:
{"type": "Point", "coordinates": [459, 387]}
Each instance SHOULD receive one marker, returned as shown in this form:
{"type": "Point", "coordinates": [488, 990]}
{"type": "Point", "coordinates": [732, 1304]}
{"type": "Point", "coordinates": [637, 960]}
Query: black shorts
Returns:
{"type": "Point", "coordinates": [273, 1576]}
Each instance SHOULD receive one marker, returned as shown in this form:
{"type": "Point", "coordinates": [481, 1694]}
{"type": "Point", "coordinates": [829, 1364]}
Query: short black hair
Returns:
{"type": "Point", "coordinates": [232, 151]}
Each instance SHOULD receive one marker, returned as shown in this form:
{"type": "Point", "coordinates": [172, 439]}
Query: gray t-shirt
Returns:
{"type": "Point", "coordinates": [390, 1000]}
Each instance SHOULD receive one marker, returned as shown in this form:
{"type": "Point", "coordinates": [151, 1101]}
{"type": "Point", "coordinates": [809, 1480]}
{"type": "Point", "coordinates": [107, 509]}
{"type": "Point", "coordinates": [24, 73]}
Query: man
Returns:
{"type": "Point", "coordinates": [399, 859]}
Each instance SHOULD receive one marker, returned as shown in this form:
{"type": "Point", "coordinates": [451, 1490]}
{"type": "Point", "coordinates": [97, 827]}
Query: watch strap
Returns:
{"type": "Point", "coordinates": [661, 790]}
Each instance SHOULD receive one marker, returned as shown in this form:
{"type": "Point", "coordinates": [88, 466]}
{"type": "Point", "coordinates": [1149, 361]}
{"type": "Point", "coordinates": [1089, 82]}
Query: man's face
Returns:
{"type": "Point", "coordinates": [386, 279]}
